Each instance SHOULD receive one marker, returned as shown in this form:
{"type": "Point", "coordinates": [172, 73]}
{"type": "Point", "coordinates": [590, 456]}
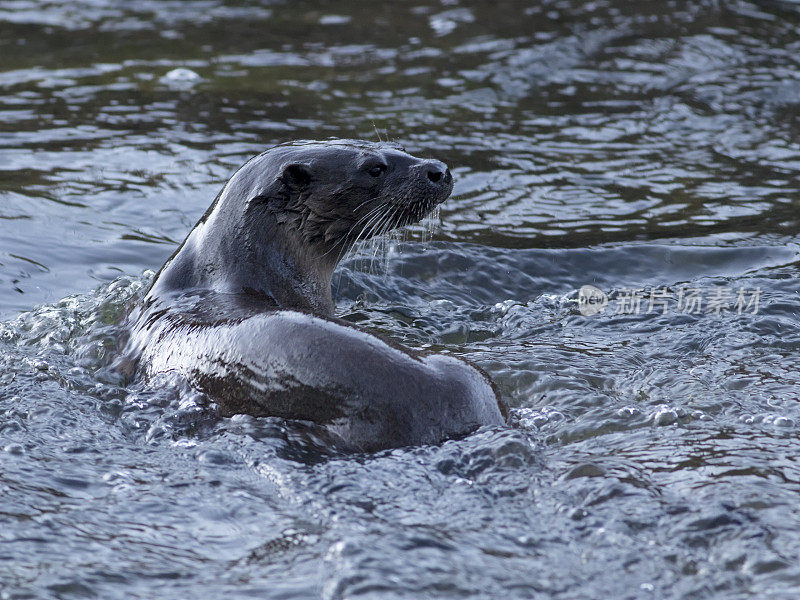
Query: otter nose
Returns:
{"type": "Point", "coordinates": [437, 172]}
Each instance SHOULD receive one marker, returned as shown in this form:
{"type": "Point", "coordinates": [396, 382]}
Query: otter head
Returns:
{"type": "Point", "coordinates": [282, 222]}
{"type": "Point", "coordinates": [328, 195]}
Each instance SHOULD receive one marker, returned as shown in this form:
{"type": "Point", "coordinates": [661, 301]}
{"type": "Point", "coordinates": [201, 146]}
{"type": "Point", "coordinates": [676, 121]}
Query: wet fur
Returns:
{"type": "Point", "coordinates": [243, 309]}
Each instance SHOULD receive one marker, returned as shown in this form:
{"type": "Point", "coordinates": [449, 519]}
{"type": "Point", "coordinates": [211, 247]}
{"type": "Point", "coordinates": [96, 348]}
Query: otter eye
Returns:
{"type": "Point", "coordinates": [377, 170]}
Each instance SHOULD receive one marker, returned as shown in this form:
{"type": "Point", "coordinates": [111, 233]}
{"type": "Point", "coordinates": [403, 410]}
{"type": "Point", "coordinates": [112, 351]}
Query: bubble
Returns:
{"type": "Point", "coordinates": [181, 78]}
{"type": "Point", "coordinates": [181, 74]}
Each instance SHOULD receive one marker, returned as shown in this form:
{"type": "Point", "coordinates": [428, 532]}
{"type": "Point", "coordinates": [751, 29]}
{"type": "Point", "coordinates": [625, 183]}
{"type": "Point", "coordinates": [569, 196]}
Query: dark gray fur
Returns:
{"type": "Point", "coordinates": [243, 308]}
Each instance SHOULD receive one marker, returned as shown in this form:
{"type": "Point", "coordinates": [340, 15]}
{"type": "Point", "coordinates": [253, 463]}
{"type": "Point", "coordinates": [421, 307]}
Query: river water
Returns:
{"type": "Point", "coordinates": [648, 149]}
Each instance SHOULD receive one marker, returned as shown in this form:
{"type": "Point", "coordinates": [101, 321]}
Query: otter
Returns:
{"type": "Point", "coordinates": [243, 309]}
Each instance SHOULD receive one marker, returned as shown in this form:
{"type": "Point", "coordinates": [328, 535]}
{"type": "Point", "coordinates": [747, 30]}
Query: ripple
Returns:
{"type": "Point", "coordinates": [648, 455]}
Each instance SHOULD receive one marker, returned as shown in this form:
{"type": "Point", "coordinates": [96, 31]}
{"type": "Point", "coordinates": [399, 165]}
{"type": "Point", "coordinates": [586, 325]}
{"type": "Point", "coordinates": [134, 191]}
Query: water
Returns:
{"type": "Point", "coordinates": [648, 145]}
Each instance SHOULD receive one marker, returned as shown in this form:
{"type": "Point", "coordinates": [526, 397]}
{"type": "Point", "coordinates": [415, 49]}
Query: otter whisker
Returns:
{"type": "Point", "coordinates": [381, 240]}
{"type": "Point", "coordinates": [389, 230]}
{"type": "Point", "coordinates": [344, 239]}
{"type": "Point", "coordinates": [396, 217]}
{"type": "Point", "coordinates": [377, 131]}
{"type": "Point", "coordinates": [370, 226]}
{"type": "Point", "coordinates": [374, 231]}
{"type": "Point", "coordinates": [365, 219]}
{"type": "Point", "coordinates": [348, 245]}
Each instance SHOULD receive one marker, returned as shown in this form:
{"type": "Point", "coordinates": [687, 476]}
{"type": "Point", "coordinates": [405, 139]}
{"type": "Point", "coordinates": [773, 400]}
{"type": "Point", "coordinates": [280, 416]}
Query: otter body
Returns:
{"type": "Point", "coordinates": [243, 309]}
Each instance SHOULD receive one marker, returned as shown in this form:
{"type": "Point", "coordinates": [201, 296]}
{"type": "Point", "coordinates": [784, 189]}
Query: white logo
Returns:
{"type": "Point", "coordinates": [716, 300]}
{"type": "Point", "coordinates": [591, 300]}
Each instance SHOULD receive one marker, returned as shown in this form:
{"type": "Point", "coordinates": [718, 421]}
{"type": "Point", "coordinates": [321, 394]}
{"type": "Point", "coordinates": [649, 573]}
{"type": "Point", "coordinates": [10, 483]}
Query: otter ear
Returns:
{"type": "Point", "coordinates": [296, 175]}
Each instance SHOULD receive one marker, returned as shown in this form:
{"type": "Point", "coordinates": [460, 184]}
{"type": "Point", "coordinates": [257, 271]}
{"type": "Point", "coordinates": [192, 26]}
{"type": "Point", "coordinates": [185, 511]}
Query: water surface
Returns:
{"type": "Point", "coordinates": [630, 146]}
